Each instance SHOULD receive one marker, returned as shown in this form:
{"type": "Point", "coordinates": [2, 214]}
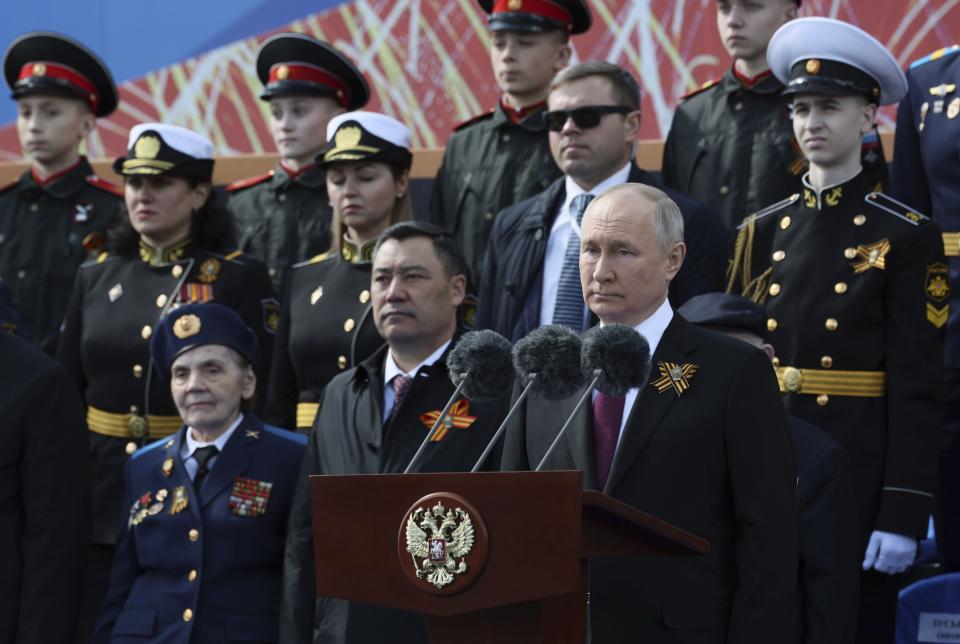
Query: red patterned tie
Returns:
{"type": "Point", "coordinates": [400, 384]}
{"type": "Point", "coordinates": [607, 415]}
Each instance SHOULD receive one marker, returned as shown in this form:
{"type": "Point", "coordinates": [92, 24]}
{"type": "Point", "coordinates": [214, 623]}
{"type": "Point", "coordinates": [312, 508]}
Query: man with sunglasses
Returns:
{"type": "Point", "coordinates": [530, 276]}
{"type": "Point", "coordinates": [502, 157]}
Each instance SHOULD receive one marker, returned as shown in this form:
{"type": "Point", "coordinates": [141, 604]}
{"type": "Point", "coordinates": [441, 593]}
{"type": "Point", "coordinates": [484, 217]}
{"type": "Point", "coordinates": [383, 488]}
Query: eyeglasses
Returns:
{"type": "Point", "coordinates": [584, 117]}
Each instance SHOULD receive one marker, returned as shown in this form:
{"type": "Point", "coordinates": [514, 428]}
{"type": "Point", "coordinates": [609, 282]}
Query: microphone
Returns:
{"type": "Point", "coordinates": [480, 367]}
{"type": "Point", "coordinates": [547, 361]}
{"type": "Point", "coordinates": [616, 359]}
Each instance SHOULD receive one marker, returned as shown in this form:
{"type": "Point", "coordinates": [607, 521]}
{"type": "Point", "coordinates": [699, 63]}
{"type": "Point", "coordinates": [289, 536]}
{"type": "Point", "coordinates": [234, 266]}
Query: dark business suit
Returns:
{"type": "Point", "coordinates": [715, 461]}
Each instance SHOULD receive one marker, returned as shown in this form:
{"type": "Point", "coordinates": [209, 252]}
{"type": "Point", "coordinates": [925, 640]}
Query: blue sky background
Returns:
{"type": "Point", "coordinates": [138, 37]}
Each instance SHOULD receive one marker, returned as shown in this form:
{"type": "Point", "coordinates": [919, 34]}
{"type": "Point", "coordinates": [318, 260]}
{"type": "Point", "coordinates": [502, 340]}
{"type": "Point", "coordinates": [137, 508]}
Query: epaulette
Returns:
{"type": "Point", "coordinates": [234, 255]}
{"type": "Point", "coordinates": [769, 210]}
{"type": "Point", "coordinates": [102, 257]}
{"type": "Point", "coordinates": [150, 447]}
{"type": "Point", "coordinates": [249, 181]}
{"type": "Point", "coordinates": [316, 259]}
{"type": "Point", "coordinates": [472, 120]}
{"type": "Point", "coordinates": [103, 184]}
{"type": "Point", "coordinates": [702, 88]}
{"type": "Point", "coordinates": [285, 434]}
{"type": "Point", "coordinates": [940, 53]}
{"type": "Point", "coordinates": [896, 208]}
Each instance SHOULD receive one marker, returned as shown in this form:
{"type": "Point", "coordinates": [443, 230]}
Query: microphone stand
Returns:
{"type": "Point", "coordinates": [436, 425]}
{"type": "Point", "coordinates": [503, 426]}
{"type": "Point", "coordinates": [576, 410]}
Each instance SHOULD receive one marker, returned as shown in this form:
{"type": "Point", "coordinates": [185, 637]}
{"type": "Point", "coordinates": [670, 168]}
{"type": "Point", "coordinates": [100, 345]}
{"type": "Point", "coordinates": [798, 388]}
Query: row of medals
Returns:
{"type": "Point", "coordinates": [144, 507]}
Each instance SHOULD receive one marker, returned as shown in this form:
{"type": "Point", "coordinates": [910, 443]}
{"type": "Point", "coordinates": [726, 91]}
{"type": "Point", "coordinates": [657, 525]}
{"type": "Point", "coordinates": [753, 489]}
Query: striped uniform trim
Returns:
{"type": "Point", "coordinates": [951, 244]}
{"type": "Point", "coordinates": [306, 413]}
{"type": "Point", "coordinates": [863, 384]}
{"type": "Point", "coordinates": [907, 490]}
{"type": "Point", "coordinates": [118, 425]}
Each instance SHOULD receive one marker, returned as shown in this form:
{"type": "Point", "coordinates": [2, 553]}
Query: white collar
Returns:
{"type": "Point", "coordinates": [221, 440]}
{"type": "Point", "coordinates": [653, 328]}
{"type": "Point", "coordinates": [390, 368]}
{"type": "Point", "coordinates": [573, 190]}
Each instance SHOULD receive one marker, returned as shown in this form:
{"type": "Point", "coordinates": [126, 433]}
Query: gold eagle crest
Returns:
{"type": "Point", "coordinates": [438, 539]}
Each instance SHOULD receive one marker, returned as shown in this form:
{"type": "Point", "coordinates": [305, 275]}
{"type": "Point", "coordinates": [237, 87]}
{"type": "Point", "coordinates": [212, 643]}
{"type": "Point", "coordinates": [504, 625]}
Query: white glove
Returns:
{"type": "Point", "coordinates": [889, 553]}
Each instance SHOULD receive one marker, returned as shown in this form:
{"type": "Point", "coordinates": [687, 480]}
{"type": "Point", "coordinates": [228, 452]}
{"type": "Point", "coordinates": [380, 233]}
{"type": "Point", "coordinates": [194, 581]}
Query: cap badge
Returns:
{"type": "Point", "coordinates": [39, 69]}
{"type": "Point", "coordinates": [146, 147]}
{"type": "Point", "coordinates": [674, 376]}
{"type": "Point", "coordinates": [347, 137]}
{"type": "Point", "coordinates": [283, 72]}
{"type": "Point", "coordinates": [813, 66]}
{"type": "Point", "coordinates": [515, 5]}
{"type": "Point", "coordinates": [186, 326]}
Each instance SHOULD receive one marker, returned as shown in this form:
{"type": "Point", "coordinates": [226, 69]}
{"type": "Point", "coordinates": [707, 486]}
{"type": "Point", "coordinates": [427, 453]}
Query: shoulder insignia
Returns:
{"type": "Point", "coordinates": [940, 53]}
{"type": "Point", "coordinates": [234, 255]}
{"type": "Point", "coordinates": [285, 434]}
{"type": "Point", "coordinates": [896, 208]}
{"type": "Point", "coordinates": [103, 184]}
{"type": "Point", "coordinates": [704, 87]}
{"type": "Point", "coordinates": [769, 210]}
{"type": "Point", "coordinates": [249, 181]}
{"type": "Point", "coordinates": [102, 257]}
{"type": "Point", "coordinates": [316, 259]}
{"type": "Point", "coordinates": [473, 119]}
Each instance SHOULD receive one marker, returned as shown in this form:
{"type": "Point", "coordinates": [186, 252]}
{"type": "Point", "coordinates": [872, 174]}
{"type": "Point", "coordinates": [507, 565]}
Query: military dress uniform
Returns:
{"type": "Point", "coordinates": [48, 227]}
{"type": "Point", "coordinates": [925, 175]}
{"type": "Point", "coordinates": [326, 327]}
{"type": "Point", "coordinates": [283, 217]}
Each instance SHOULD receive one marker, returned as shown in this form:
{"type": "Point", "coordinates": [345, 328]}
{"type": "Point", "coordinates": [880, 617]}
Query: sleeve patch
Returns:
{"type": "Point", "coordinates": [937, 289]}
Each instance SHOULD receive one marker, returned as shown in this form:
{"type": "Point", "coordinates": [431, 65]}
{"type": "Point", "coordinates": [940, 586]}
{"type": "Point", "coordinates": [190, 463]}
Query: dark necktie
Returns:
{"type": "Point", "coordinates": [568, 309]}
{"type": "Point", "coordinates": [400, 384]}
{"type": "Point", "coordinates": [607, 416]}
{"type": "Point", "coordinates": [202, 456]}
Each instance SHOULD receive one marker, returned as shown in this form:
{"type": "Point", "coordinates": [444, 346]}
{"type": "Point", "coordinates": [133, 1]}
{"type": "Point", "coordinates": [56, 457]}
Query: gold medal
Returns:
{"type": "Point", "coordinates": [953, 109]}
{"type": "Point", "coordinates": [167, 467]}
{"type": "Point", "coordinates": [180, 500]}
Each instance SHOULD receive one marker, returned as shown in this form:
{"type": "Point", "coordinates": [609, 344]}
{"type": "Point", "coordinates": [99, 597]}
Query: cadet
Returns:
{"type": "Point", "coordinates": [204, 516]}
{"type": "Point", "coordinates": [326, 324]}
{"type": "Point", "coordinates": [283, 216]}
{"type": "Point", "coordinates": [171, 251]}
{"type": "Point", "coordinates": [926, 175]}
{"type": "Point", "coordinates": [851, 281]}
{"type": "Point", "coordinates": [502, 157]}
{"type": "Point", "coordinates": [731, 143]}
{"type": "Point", "coordinates": [56, 215]}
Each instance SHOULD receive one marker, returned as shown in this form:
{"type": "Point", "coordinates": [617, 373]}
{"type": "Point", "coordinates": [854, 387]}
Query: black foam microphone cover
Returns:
{"type": "Point", "coordinates": [552, 353]}
{"type": "Point", "coordinates": [485, 358]}
{"type": "Point", "coordinates": [620, 353]}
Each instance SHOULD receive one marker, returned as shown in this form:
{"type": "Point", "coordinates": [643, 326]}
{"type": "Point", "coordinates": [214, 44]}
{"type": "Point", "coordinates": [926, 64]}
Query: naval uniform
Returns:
{"type": "Point", "coordinates": [202, 566]}
{"type": "Point", "coordinates": [282, 217]}
{"type": "Point", "coordinates": [326, 326]}
{"type": "Point", "coordinates": [47, 229]}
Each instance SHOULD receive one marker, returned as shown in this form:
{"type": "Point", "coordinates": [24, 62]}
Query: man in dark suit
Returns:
{"type": "Point", "coordinates": [704, 445]}
{"type": "Point", "coordinates": [44, 494]}
{"type": "Point", "coordinates": [826, 496]}
{"type": "Point", "coordinates": [204, 516]}
{"type": "Point", "coordinates": [530, 273]}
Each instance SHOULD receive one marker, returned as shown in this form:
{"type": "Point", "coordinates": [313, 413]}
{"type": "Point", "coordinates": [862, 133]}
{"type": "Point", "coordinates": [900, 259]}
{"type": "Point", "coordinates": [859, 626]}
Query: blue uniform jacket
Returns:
{"type": "Point", "coordinates": [205, 569]}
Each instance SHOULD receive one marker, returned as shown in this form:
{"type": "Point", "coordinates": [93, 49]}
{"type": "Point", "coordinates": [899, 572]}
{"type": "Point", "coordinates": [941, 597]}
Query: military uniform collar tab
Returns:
{"type": "Point", "coordinates": [531, 117]}
{"type": "Point", "coordinates": [309, 175]}
{"type": "Point", "coordinates": [160, 256]}
{"type": "Point", "coordinates": [66, 182]}
{"type": "Point", "coordinates": [355, 253]}
{"type": "Point", "coordinates": [834, 195]}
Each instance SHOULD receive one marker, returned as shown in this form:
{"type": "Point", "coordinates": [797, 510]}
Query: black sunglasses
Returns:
{"type": "Point", "coordinates": [584, 117]}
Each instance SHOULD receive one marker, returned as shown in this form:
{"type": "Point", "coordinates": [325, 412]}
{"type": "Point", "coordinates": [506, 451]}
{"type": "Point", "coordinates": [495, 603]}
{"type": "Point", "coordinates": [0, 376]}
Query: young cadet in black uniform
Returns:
{"type": "Point", "coordinates": [56, 215]}
{"type": "Point", "coordinates": [926, 174]}
{"type": "Point", "coordinates": [326, 324]}
{"type": "Point", "coordinates": [849, 279]}
{"type": "Point", "coordinates": [374, 417]}
{"type": "Point", "coordinates": [283, 217]}
{"type": "Point", "coordinates": [731, 143]}
{"type": "Point", "coordinates": [503, 157]}
{"type": "Point", "coordinates": [171, 251]}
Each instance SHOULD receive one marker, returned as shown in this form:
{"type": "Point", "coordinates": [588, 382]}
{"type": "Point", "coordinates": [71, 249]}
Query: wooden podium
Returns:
{"type": "Point", "coordinates": [525, 577]}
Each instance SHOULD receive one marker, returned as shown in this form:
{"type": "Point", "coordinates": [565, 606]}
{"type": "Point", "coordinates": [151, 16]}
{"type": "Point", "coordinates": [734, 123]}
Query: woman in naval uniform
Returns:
{"type": "Point", "coordinates": [172, 249]}
{"type": "Point", "coordinates": [325, 321]}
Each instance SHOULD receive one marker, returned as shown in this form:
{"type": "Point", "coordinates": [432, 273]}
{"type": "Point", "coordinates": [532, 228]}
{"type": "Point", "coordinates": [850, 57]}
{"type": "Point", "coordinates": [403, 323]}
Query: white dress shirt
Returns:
{"type": "Point", "coordinates": [390, 369]}
{"type": "Point", "coordinates": [190, 445]}
{"type": "Point", "coordinates": [563, 225]}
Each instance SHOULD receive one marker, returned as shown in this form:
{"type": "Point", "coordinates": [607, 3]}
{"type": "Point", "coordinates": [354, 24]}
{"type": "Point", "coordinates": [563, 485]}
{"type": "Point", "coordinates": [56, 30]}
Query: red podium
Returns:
{"type": "Point", "coordinates": [486, 557]}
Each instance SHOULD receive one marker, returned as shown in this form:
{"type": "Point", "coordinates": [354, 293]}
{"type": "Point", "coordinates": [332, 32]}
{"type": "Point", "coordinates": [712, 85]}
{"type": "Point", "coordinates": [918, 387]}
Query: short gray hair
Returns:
{"type": "Point", "coordinates": [667, 218]}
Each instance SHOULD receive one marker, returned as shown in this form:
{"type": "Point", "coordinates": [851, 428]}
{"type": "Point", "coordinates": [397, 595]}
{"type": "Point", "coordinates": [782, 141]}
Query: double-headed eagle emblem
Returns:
{"type": "Point", "coordinates": [438, 539]}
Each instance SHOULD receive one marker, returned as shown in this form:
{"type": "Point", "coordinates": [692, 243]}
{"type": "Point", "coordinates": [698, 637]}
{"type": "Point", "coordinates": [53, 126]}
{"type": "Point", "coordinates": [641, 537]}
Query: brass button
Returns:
{"type": "Point", "coordinates": [823, 399]}
{"type": "Point", "coordinates": [488, 215]}
{"type": "Point", "coordinates": [161, 300]}
{"type": "Point", "coordinates": [774, 289]}
{"type": "Point", "coordinates": [831, 324]}
{"type": "Point", "coordinates": [785, 222]}
{"type": "Point", "coordinates": [193, 535]}
{"type": "Point", "coordinates": [177, 271]}
{"type": "Point", "coordinates": [146, 332]}
{"type": "Point", "coordinates": [137, 371]}
{"type": "Point", "coordinates": [348, 325]}
{"type": "Point", "coordinates": [776, 361]}
{"type": "Point", "coordinates": [859, 220]}
{"type": "Point", "coordinates": [364, 296]}
{"type": "Point", "coordinates": [792, 379]}
{"type": "Point", "coordinates": [192, 575]}
{"type": "Point", "coordinates": [779, 256]}
{"type": "Point", "coordinates": [772, 325]}
{"type": "Point", "coordinates": [134, 409]}
{"type": "Point", "coordinates": [850, 253]}
{"type": "Point", "coordinates": [342, 362]}
{"type": "Point", "coordinates": [826, 362]}
{"type": "Point", "coordinates": [130, 448]}
{"type": "Point", "coordinates": [187, 615]}
{"type": "Point", "coordinates": [840, 288]}
{"type": "Point", "coordinates": [724, 190]}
